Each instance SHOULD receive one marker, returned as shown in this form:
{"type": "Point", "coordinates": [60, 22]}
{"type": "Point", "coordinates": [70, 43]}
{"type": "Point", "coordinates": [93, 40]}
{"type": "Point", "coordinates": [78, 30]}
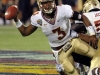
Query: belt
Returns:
{"type": "Point", "coordinates": [58, 48]}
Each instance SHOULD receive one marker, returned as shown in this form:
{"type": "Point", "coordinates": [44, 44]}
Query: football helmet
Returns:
{"type": "Point", "coordinates": [90, 4]}
{"type": "Point", "coordinates": [47, 10]}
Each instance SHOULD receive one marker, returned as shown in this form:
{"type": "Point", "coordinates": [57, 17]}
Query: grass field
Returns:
{"type": "Point", "coordinates": [11, 39]}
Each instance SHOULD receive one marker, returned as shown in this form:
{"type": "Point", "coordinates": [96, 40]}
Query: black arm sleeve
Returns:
{"type": "Point", "coordinates": [78, 27]}
{"type": "Point", "coordinates": [76, 16]}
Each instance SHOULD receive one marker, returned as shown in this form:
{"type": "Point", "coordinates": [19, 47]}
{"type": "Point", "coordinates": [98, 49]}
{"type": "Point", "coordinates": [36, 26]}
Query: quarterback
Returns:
{"type": "Point", "coordinates": [92, 13]}
{"type": "Point", "coordinates": [55, 24]}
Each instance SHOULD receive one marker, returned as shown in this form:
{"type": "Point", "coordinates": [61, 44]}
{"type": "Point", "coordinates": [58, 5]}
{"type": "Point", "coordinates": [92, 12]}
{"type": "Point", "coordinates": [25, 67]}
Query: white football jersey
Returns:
{"type": "Point", "coordinates": [94, 18]}
{"type": "Point", "coordinates": [58, 32]}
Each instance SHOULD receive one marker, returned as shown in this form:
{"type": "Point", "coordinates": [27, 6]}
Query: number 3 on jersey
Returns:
{"type": "Point", "coordinates": [59, 33]}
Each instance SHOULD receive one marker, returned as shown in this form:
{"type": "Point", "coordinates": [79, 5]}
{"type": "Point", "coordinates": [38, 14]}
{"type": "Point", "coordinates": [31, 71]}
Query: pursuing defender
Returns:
{"type": "Point", "coordinates": [92, 14]}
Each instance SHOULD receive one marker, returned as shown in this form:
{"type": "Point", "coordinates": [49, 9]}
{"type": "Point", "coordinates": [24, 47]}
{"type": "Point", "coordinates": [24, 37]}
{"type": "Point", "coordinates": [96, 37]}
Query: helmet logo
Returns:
{"type": "Point", "coordinates": [91, 4]}
{"type": "Point", "coordinates": [43, 8]}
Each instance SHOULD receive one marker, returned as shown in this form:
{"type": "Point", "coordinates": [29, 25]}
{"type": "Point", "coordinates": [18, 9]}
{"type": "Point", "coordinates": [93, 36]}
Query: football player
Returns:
{"type": "Point", "coordinates": [55, 24]}
{"type": "Point", "coordinates": [92, 14]}
{"type": "Point", "coordinates": [79, 27]}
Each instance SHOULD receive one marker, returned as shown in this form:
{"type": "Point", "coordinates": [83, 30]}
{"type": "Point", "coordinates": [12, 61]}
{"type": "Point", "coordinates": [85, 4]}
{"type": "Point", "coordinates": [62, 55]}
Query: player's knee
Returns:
{"type": "Point", "coordinates": [68, 67]}
{"type": "Point", "coordinates": [61, 60]}
{"type": "Point", "coordinates": [77, 43]}
{"type": "Point", "coordinates": [81, 47]}
{"type": "Point", "coordinates": [84, 48]}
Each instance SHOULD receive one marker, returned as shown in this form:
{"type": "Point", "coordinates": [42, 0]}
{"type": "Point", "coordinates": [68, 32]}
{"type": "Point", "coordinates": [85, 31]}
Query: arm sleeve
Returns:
{"type": "Point", "coordinates": [76, 16]}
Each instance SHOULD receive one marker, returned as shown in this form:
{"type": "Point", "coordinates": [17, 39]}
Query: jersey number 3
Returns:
{"type": "Point", "coordinates": [59, 33]}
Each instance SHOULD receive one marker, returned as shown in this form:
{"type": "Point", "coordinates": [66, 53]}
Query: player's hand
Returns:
{"type": "Point", "coordinates": [11, 12]}
{"type": "Point", "coordinates": [16, 17]}
{"type": "Point", "coordinates": [84, 37]}
{"type": "Point", "coordinates": [93, 41]}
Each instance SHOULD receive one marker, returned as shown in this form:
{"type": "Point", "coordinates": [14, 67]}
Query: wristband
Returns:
{"type": "Point", "coordinates": [74, 34]}
{"type": "Point", "coordinates": [18, 24]}
{"type": "Point", "coordinates": [90, 30]}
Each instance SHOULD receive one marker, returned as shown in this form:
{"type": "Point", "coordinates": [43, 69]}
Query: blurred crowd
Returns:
{"type": "Point", "coordinates": [26, 8]}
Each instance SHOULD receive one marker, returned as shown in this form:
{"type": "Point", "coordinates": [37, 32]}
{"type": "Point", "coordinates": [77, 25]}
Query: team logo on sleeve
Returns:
{"type": "Point", "coordinates": [39, 21]}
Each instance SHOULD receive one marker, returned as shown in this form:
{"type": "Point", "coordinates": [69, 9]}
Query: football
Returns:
{"type": "Point", "coordinates": [11, 12]}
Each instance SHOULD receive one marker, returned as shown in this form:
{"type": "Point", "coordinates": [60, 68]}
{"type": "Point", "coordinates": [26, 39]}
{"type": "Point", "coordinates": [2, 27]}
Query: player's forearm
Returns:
{"type": "Point", "coordinates": [25, 31]}
{"type": "Point", "coordinates": [86, 21]}
{"type": "Point", "coordinates": [84, 37]}
{"type": "Point", "coordinates": [20, 26]}
{"type": "Point", "coordinates": [88, 25]}
{"type": "Point", "coordinates": [22, 30]}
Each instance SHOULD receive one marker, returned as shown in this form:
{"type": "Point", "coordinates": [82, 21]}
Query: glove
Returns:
{"type": "Point", "coordinates": [74, 34]}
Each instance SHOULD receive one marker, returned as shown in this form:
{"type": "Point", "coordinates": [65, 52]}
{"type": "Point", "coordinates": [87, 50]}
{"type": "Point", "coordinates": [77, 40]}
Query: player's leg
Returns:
{"type": "Point", "coordinates": [79, 47]}
{"type": "Point", "coordinates": [82, 48]}
{"type": "Point", "coordinates": [77, 58]}
{"type": "Point", "coordinates": [89, 51]}
{"type": "Point", "coordinates": [67, 63]}
{"type": "Point", "coordinates": [95, 62]}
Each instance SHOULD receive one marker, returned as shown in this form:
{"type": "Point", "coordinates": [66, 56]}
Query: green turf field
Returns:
{"type": "Point", "coordinates": [17, 55]}
{"type": "Point", "coordinates": [11, 39]}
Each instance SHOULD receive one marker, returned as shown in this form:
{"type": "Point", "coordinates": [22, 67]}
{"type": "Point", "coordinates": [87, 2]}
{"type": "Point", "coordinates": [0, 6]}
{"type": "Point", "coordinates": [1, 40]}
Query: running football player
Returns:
{"type": "Point", "coordinates": [92, 14]}
{"type": "Point", "coordinates": [55, 24]}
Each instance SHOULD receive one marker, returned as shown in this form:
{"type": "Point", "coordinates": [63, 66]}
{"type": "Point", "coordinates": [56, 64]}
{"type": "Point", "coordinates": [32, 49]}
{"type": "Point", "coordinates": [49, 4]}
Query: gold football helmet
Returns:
{"type": "Point", "coordinates": [50, 8]}
{"type": "Point", "coordinates": [90, 4]}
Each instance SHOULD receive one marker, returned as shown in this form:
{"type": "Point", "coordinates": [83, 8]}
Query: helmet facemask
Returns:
{"type": "Point", "coordinates": [50, 8]}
